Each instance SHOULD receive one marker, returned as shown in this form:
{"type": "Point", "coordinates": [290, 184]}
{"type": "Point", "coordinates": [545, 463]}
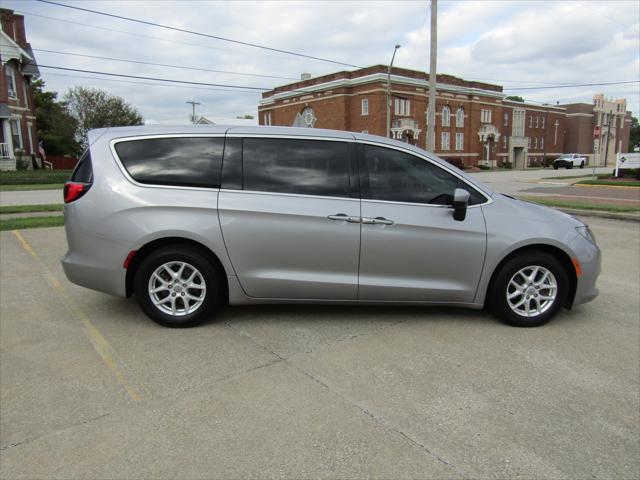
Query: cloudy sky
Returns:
{"type": "Point", "coordinates": [516, 44]}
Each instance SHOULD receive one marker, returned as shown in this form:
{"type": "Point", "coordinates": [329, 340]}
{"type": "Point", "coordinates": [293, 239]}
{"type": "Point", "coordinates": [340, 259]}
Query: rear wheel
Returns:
{"type": "Point", "coordinates": [582, 165]}
{"type": "Point", "coordinates": [529, 289]}
{"type": "Point", "coordinates": [569, 166]}
{"type": "Point", "coordinates": [177, 286]}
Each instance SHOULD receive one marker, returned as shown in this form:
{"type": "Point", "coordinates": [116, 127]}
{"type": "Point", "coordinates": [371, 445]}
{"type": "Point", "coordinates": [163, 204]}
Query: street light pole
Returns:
{"type": "Point", "coordinates": [389, 92]}
{"type": "Point", "coordinates": [431, 112]}
{"type": "Point", "coordinates": [193, 110]}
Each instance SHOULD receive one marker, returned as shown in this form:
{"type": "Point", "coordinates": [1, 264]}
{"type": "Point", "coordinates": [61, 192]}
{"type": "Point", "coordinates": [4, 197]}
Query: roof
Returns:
{"type": "Point", "coordinates": [31, 68]}
{"type": "Point", "coordinates": [11, 50]}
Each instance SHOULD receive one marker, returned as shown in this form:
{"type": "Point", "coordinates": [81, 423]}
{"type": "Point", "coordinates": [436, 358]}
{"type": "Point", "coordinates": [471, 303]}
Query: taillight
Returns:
{"type": "Point", "coordinates": [74, 190]}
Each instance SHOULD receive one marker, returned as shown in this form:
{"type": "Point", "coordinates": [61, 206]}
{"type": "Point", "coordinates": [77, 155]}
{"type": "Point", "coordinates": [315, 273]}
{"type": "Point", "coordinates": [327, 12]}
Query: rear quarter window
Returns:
{"type": "Point", "coordinates": [179, 161]}
{"type": "Point", "coordinates": [83, 172]}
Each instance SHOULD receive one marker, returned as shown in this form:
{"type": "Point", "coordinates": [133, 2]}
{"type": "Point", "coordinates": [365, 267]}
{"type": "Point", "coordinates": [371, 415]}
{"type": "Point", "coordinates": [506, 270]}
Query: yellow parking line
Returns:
{"type": "Point", "coordinates": [100, 344]}
{"type": "Point", "coordinates": [621, 187]}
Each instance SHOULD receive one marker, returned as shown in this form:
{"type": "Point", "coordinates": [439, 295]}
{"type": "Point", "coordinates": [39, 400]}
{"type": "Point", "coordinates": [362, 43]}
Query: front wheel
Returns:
{"type": "Point", "coordinates": [177, 286]}
{"type": "Point", "coordinates": [555, 167]}
{"type": "Point", "coordinates": [569, 166]}
{"type": "Point", "coordinates": [529, 290]}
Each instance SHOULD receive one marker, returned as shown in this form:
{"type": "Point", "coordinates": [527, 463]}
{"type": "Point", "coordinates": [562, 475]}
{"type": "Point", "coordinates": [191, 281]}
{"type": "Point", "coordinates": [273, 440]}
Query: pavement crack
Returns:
{"type": "Point", "coordinates": [253, 340]}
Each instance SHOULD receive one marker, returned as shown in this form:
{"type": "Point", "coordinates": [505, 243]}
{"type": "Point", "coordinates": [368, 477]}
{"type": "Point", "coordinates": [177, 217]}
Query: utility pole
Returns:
{"type": "Point", "coordinates": [389, 92]}
{"type": "Point", "coordinates": [431, 112]}
{"type": "Point", "coordinates": [193, 110]}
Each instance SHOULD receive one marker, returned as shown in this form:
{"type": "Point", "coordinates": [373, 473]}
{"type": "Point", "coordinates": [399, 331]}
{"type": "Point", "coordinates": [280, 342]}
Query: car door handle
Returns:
{"type": "Point", "coordinates": [344, 217]}
{"type": "Point", "coordinates": [377, 221]}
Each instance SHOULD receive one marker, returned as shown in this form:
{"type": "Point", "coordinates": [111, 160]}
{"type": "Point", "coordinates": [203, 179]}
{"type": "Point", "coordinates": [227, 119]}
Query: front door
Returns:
{"type": "Point", "coordinates": [412, 249]}
{"type": "Point", "coordinates": [292, 231]}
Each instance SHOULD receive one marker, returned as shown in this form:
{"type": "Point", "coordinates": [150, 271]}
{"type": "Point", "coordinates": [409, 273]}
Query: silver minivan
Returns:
{"type": "Point", "coordinates": [190, 218]}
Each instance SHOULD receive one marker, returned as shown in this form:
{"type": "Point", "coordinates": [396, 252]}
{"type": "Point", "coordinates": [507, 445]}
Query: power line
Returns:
{"type": "Point", "coordinates": [200, 34]}
{"type": "Point", "coordinates": [163, 64]}
{"type": "Point", "coordinates": [139, 77]}
{"type": "Point", "coordinates": [574, 85]}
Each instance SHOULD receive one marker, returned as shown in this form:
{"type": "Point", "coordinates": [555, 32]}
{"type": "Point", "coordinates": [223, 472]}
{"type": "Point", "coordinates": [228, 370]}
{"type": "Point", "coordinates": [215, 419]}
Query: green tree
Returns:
{"type": "Point", "coordinates": [634, 134]}
{"type": "Point", "coordinates": [247, 117]}
{"type": "Point", "coordinates": [93, 108]}
{"type": "Point", "coordinates": [515, 98]}
{"type": "Point", "coordinates": [56, 128]}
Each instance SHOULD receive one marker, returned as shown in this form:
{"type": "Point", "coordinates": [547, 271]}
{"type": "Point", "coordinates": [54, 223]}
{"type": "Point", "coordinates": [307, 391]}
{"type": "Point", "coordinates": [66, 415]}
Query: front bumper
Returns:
{"type": "Point", "coordinates": [591, 263]}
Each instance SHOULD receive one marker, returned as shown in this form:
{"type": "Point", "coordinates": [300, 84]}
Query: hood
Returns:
{"type": "Point", "coordinates": [533, 212]}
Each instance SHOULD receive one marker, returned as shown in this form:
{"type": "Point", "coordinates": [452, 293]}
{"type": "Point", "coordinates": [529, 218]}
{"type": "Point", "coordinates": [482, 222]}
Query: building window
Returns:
{"type": "Point", "coordinates": [30, 135]}
{"type": "Point", "coordinates": [402, 107]}
{"type": "Point", "coordinates": [267, 118]}
{"type": "Point", "coordinates": [518, 123]}
{"type": "Point", "coordinates": [504, 142]}
{"type": "Point", "coordinates": [506, 119]}
{"type": "Point", "coordinates": [542, 122]}
{"type": "Point", "coordinates": [26, 96]}
{"type": "Point", "coordinates": [535, 143]}
{"type": "Point", "coordinates": [16, 133]}
{"type": "Point", "coordinates": [445, 141]}
{"type": "Point", "coordinates": [365, 131]}
{"type": "Point", "coordinates": [542, 143]}
{"type": "Point", "coordinates": [530, 121]}
{"type": "Point", "coordinates": [446, 116]}
{"type": "Point", "coordinates": [364, 106]}
{"type": "Point", "coordinates": [529, 143]}
{"type": "Point", "coordinates": [459, 141]}
{"type": "Point", "coordinates": [10, 76]}
{"type": "Point", "coordinates": [460, 117]}
{"type": "Point", "coordinates": [485, 116]}
{"type": "Point", "coordinates": [537, 121]}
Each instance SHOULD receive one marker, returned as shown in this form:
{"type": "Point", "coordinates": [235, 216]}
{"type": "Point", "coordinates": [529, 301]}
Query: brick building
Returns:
{"type": "Point", "coordinates": [18, 135]}
{"type": "Point", "coordinates": [475, 123]}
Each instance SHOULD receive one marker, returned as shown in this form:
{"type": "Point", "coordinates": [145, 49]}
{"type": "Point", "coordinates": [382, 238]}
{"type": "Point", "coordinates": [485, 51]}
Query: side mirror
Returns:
{"type": "Point", "coordinates": [460, 202]}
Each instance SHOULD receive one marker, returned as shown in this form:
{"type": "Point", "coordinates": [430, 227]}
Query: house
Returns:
{"type": "Point", "coordinates": [18, 135]}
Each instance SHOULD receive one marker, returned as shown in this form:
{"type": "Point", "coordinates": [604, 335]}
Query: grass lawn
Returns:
{"type": "Point", "coordinates": [578, 205]}
{"type": "Point", "coordinates": [30, 177]}
{"type": "Point", "coordinates": [32, 186]}
{"type": "Point", "coordinates": [47, 207]}
{"type": "Point", "coordinates": [33, 222]}
{"type": "Point", "coordinates": [617, 183]}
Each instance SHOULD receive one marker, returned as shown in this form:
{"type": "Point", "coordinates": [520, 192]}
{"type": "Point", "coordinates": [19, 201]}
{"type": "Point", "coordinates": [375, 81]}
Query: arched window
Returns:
{"type": "Point", "coordinates": [446, 119]}
{"type": "Point", "coordinates": [460, 117]}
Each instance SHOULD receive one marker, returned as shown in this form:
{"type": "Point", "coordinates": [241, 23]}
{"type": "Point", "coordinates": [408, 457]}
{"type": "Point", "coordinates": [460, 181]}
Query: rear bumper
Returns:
{"type": "Point", "coordinates": [90, 276]}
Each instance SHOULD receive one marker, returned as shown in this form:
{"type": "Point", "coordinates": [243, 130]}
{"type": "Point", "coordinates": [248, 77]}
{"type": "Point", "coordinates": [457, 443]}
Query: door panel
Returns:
{"type": "Point", "coordinates": [285, 246]}
{"type": "Point", "coordinates": [425, 255]}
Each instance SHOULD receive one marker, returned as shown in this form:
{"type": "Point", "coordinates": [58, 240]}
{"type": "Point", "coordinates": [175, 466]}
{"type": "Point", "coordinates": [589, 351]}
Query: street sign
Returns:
{"type": "Point", "coordinates": [596, 131]}
{"type": "Point", "coordinates": [627, 161]}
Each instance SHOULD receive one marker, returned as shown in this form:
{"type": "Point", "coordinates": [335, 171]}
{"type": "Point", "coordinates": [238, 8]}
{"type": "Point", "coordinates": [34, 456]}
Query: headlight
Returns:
{"type": "Point", "coordinates": [586, 232]}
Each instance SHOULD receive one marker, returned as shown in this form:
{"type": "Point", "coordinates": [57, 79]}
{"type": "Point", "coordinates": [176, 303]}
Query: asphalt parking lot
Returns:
{"type": "Point", "coordinates": [90, 388]}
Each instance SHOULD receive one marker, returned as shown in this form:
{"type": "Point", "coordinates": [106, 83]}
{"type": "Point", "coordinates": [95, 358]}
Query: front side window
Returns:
{"type": "Point", "coordinates": [396, 176]}
{"type": "Point", "coordinates": [446, 116]}
{"type": "Point", "coordinates": [179, 161]}
{"type": "Point", "coordinates": [304, 167]}
{"type": "Point", "coordinates": [365, 106]}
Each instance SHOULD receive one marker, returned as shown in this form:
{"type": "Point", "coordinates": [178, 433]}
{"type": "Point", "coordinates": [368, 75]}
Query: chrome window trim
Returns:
{"type": "Point", "coordinates": [488, 198]}
{"type": "Point", "coordinates": [114, 141]}
{"type": "Point", "coordinates": [292, 137]}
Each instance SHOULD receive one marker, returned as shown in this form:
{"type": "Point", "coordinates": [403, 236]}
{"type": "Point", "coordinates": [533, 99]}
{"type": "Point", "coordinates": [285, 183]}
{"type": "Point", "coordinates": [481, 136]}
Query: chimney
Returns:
{"type": "Point", "coordinates": [305, 76]}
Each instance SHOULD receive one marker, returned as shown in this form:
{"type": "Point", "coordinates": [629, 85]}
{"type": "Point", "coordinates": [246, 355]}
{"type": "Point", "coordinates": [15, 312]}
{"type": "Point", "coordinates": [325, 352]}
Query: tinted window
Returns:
{"type": "Point", "coordinates": [307, 167]}
{"type": "Point", "coordinates": [232, 164]}
{"type": "Point", "coordinates": [84, 170]}
{"type": "Point", "coordinates": [194, 162]}
{"type": "Point", "coordinates": [400, 177]}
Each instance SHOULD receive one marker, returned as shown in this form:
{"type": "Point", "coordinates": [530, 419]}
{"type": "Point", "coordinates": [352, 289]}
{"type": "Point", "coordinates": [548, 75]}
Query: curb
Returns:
{"type": "Point", "coordinates": [630, 217]}
{"type": "Point", "coordinates": [622, 187]}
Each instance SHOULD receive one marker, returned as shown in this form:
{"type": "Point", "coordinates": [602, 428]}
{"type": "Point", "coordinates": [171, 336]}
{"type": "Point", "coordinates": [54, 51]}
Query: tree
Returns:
{"type": "Point", "coordinates": [247, 117]}
{"type": "Point", "coordinates": [56, 128]}
{"type": "Point", "coordinates": [93, 108]}
{"type": "Point", "coordinates": [634, 134]}
{"type": "Point", "coordinates": [515, 98]}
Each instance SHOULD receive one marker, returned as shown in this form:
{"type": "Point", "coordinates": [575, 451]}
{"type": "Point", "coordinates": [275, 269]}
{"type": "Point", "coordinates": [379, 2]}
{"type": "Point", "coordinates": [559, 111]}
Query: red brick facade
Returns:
{"type": "Point", "coordinates": [18, 134]}
{"type": "Point", "coordinates": [487, 132]}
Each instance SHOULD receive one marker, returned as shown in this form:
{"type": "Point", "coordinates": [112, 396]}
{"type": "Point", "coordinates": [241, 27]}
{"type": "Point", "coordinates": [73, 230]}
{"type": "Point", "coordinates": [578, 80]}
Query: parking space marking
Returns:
{"type": "Point", "coordinates": [100, 344]}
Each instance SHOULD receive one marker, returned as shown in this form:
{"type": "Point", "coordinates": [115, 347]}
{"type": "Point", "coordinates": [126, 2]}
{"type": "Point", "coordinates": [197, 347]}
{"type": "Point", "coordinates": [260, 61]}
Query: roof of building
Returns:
{"type": "Point", "coordinates": [31, 68]}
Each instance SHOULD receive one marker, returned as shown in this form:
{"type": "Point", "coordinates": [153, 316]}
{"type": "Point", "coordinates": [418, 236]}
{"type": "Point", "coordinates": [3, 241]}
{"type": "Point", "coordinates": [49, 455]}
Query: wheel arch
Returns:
{"type": "Point", "coordinates": [562, 256]}
{"type": "Point", "coordinates": [153, 245]}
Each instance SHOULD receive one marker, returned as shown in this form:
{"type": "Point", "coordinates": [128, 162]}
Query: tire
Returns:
{"type": "Point", "coordinates": [555, 167]}
{"type": "Point", "coordinates": [569, 166]}
{"type": "Point", "coordinates": [509, 275]}
{"type": "Point", "coordinates": [582, 165]}
{"type": "Point", "coordinates": [166, 300]}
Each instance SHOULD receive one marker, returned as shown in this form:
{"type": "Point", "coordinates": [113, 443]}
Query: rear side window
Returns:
{"type": "Point", "coordinates": [305, 167]}
{"type": "Point", "coordinates": [84, 170]}
{"type": "Point", "coordinates": [180, 161]}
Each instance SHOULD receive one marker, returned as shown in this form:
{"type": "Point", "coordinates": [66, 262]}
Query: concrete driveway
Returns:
{"type": "Point", "coordinates": [90, 388]}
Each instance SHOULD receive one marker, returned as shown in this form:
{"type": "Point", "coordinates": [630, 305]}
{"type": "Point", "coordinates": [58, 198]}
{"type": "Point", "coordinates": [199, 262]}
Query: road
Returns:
{"type": "Point", "coordinates": [90, 388]}
{"type": "Point", "coordinates": [30, 197]}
